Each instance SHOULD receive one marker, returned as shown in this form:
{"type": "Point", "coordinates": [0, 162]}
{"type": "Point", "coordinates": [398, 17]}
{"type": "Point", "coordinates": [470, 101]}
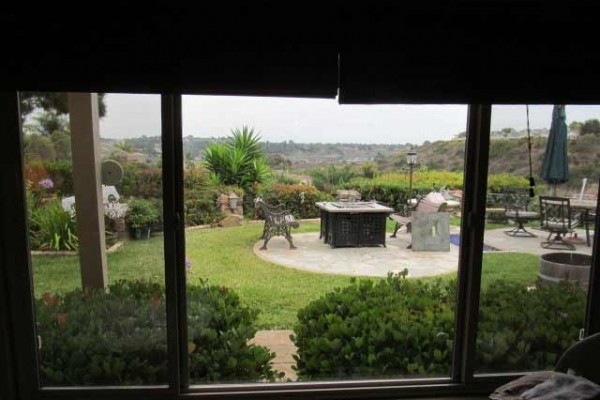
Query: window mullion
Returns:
{"type": "Point", "coordinates": [16, 261]}
{"type": "Point", "coordinates": [592, 315]}
{"type": "Point", "coordinates": [471, 249]}
{"type": "Point", "coordinates": [174, 240]}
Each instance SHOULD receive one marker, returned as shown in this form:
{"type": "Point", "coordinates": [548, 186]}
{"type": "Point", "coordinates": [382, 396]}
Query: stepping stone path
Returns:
{"type": "Point", "coordinates": [279, 342]}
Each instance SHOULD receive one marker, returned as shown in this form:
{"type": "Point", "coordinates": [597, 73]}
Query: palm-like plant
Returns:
{"type": "Point", "coordinates": [239, 161]}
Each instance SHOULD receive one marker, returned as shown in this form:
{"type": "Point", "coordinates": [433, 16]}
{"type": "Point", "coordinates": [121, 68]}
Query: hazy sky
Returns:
{"type": "Point", "coordinates": [315, 120]}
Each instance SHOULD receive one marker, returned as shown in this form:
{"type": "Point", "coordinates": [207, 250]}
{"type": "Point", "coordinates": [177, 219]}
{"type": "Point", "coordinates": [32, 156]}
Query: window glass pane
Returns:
{"type": "Point", "coordinates": [538, 250]}
{"type": "Point", "coordinates": [259, 168]}
{"type": "Point", "coordinates": [94, 198]}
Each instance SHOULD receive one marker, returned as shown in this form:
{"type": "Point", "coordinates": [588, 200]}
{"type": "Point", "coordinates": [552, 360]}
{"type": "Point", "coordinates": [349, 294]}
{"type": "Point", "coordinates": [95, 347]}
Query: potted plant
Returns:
{"type": "Point", "coordinates": [141, 215]}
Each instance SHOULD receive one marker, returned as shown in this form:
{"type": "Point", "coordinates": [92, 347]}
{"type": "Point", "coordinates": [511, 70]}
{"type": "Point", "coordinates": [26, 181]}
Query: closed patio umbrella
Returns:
{"type": "Point", "coordinates": [555, 166]}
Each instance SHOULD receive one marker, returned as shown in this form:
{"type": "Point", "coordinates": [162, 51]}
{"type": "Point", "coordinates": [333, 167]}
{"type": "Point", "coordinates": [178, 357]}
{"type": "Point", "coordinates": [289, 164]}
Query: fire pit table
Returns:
{"type": "Point", "coordinates": [353, 224]}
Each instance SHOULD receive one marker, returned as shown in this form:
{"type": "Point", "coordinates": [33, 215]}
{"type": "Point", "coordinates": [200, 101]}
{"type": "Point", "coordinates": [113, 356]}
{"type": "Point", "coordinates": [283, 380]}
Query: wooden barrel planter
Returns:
{"type": "Point", "coordinates": [555, 267]}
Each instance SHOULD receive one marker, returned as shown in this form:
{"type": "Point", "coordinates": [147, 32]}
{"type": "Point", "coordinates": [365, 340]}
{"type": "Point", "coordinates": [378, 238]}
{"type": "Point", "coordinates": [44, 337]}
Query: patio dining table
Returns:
{"type": "Point", "coordinates": [585, 207]}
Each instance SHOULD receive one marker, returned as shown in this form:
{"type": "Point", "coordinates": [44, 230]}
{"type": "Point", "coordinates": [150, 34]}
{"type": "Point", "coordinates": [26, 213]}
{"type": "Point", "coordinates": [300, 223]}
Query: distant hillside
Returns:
{"type": "Point", "coordinates": [305, 155]}
{"type": "Point", "coordinates": [296, 155]}
{"type": "Point", "coordinates": [506, 155]}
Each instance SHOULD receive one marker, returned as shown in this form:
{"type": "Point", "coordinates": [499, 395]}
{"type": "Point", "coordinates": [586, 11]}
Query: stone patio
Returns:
{"type": "Point", "coordinates": [315, 256]}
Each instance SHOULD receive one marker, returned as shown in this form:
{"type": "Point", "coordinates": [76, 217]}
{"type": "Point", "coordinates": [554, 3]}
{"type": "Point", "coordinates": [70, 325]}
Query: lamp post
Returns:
{"type": "Point", "coordinates": [411, 160]}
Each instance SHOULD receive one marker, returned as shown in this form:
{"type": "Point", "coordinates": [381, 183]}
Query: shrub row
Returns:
{"type": "Point", "coordinates": [398, 327]}
{"type": "Point", "coordinates": [119, 337]}
{"type": "Point", "coordinates": [393, 189]}
{"type": "Point", "coordinates": [299, 199]}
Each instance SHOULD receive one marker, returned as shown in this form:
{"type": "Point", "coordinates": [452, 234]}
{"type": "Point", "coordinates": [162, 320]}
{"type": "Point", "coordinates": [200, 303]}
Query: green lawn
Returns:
{"type": "Point", "coordinates": [224, 256]}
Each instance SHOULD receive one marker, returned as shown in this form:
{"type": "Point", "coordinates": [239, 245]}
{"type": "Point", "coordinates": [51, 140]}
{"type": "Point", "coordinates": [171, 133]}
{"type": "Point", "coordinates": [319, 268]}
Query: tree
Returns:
{"type": "Point", "coordinates": [62, 145]}
{"type": "Point", "coordinates": [575, 126]}
{"type": "Point", "coordinates": [239, 161]}
{"type": "Point", "coordinates": [591, 126]}
{"type": "Point", "coordinates": [39, 147]}
{"type": "Point", "coordinates": [56, 101]}
{"type": "Point", "coordinates": [49, 122]}
{"type": "Point", "coordinates": [369, 170]}
{"type": "Point", "coordinates": [125, 146]}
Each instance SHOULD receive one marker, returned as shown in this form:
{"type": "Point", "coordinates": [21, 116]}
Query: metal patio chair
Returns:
{"type": "Point", "coordinates": [516, 208]}
{"type": "Point", "coordinates": [558, 219]}
{"type": "Point", "coordinates": [278, 222]}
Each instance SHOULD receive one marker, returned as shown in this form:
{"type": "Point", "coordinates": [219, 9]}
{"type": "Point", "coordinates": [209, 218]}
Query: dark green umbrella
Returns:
{"type": "Point", "coordinates": [555, 166]}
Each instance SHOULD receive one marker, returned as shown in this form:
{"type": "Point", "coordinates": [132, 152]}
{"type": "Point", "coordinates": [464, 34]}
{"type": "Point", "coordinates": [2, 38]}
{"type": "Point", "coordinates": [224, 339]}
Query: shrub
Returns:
{"type": "Point", "coordinates": [399, 327]}
{"type": "Point", "coordinates": [60, 172]}
{"type": "Point", "coordinates": [391, 328]}
{"type": "Point", "coordinates": [392, 189]}
{"type": "Point", "coordinates": [141, 214]}
{"type": "Point", "coordinates": [285, 179]}
{"type": "Point", "coordinates": [329, 177]}
{"type": "Point", "coordinates": [201, 206]}
{"type": "Point", "coordinates": [51, 227]}
{"type": "Point", "coordinates": [524, 329]}
{"type": "Point", "coordinates": [497, 182]}
{"type": "Point", "coordinates": [394, 194]}
{"type": "Point", "coordinates": [119, 336]}
{"type": "Point", "coordinates": [194, 178]}
{"type": "Point", "coordinates": [141, 181]}
{"type": "Point", "coordinates": [93, 337]}
{"type": "Point", "coordinates": [298, 199]}
{"type": "Point", "coordinates": [219, 330]}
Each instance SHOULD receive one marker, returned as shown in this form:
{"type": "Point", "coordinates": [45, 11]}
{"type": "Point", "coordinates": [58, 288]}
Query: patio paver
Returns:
{"type": "Point", "coordinates": [496, 238]}
{"type": "Point", "coordinates": [315, 256]}
{"type": "Point", "coordinates": [279, 342]}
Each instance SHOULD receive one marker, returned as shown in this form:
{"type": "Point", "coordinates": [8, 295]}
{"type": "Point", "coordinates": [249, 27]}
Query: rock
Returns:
{"type": "Point", "coordinates": [231, 220]}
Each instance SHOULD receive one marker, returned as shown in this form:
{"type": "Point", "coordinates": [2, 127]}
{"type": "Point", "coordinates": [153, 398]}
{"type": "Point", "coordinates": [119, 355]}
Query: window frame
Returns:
{"type": "Point", "coordinates": [16, 289]}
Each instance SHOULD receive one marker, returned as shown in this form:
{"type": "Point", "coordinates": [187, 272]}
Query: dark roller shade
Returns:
{"type": "Point", "coordinates": [461, 52]}
{"type": "Point", "coordinates": [248, 49]}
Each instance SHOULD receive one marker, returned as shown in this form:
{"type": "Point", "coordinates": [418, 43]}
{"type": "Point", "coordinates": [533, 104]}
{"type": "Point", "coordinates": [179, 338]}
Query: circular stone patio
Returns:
{"type": "Point", "coordinates": [315, 256]}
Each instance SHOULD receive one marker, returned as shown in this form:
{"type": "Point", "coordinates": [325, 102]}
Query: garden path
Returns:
{"type": "Point", "coordinates": [279, 342]}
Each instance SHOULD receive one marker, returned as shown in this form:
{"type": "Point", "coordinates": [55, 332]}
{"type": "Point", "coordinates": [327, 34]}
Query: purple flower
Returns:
{"type": "Point", "coordinates": [188, 264]}
{"type": "Point", "coordinates": [46, 183]}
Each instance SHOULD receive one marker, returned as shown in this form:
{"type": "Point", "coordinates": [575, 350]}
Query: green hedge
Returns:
{"type": "Point", "coordinates": [393, 194]}
{"type": "Point", "coordinates": [299, 199]}
{"type": "Point", "coordinates": [141, 181]}
{"type": "Point", "coordinates": [393, 189]}
{"type": "Point", "coordinates": [399, 327]}
{"type": "Point", "coordinates": [119, 337]}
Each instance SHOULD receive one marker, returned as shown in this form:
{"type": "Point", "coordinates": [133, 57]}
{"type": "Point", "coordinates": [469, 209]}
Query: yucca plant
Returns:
{"type": "Point", "coordinates": [239, 161]}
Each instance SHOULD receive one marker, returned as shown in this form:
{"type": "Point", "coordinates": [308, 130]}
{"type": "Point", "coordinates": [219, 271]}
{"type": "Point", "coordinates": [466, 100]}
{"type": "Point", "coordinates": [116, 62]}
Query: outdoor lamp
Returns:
{"type": "Point", "coordinates": [233, 200]}
{"type": "Point", "coordinates": [411, 158]}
